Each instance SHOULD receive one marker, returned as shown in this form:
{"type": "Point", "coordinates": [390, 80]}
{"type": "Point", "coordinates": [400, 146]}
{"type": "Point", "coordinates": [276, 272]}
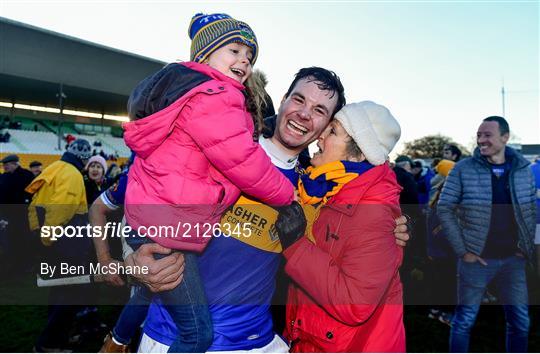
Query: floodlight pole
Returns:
{"type": "Point", "coordinates": [503, 101]}
{"type": "Point", "coordinates": [61, 96]}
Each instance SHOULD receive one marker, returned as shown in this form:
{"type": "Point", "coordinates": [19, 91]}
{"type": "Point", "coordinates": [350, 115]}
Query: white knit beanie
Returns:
{"type": "Point", "coordinates": [372, 127]}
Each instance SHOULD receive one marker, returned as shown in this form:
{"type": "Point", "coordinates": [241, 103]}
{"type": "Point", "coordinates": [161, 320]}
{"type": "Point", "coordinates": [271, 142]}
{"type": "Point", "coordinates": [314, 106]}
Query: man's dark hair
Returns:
{"type": "Point", "coordinates": [454, 150]}
{"type": "Point", "coordinates": [504, 128]}
{"type": "Point", "coordinates": [325, 79]}
{"type": "Point", "coordinates": [417, 164]}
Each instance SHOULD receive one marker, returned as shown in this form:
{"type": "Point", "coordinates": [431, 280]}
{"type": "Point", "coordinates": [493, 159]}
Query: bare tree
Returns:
{"type": "Point", "coordinates": [430, 146]}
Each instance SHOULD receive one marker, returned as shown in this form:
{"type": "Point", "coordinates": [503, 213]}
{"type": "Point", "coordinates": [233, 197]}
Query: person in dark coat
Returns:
{"type": "Point", "coordinates": [409, 194]}
{"type": "Point", "coordinates": [94, 178]}
{"type": "Point", "coordinates": [422, 175]}
{"type": "Point", "coordinates": [36, 167]}
{"type": "Point", "coordinates": [13, 205]}
{"type": "Point", "coordinates": [14, 182]}
{"type": "Point", "coordinates": [415, 255]}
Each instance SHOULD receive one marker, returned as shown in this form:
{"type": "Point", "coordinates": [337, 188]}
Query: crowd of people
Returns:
{"type": "Point", "coordinates": [69, 138]}
{"type": "Point", "coordinates": [7, 123]}
{"type": "Point", "coordinates": [5, 137]}
{"type": "Point", "coordinates": [349, 236]}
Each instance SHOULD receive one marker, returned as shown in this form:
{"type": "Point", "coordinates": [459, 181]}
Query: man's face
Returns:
{"type": "Point", "coordinates": [406, 166]}
{"type": "Point", "coordinates": [10, 167]}
{"type": "Point", "coordinates": [36, 170]}
{"type": "Point", "coordinates": [447, 153]}
{"type": "Point", "coordinates": [489, 139]}
{"type": "Point", "coordinates": [303, 115]}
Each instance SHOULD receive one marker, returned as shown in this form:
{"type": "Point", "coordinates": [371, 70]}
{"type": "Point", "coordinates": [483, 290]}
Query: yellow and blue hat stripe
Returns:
{"type": "Point", "coordinates": [211, 32]}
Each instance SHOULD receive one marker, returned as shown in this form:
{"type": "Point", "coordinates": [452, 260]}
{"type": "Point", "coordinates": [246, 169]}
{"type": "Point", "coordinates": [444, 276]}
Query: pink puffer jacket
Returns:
{"type": "Point", "coordinates": [194, 157]}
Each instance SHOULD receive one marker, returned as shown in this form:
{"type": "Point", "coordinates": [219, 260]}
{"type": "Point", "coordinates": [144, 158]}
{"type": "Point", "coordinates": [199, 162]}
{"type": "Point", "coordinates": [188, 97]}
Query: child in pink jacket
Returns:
{"type": "Point", "coordinates": [194, 142]}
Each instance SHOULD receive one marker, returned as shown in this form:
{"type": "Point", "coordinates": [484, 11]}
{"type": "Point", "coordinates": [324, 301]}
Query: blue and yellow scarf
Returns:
{"type": "Point", "coordinates": [319, 184]}
{"type": "Point", "coordinates": [323, 182]}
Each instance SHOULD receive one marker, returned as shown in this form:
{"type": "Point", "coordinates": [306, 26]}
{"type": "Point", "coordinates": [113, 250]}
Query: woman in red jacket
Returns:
{"type": "Point", "coordinates": [346, 294]}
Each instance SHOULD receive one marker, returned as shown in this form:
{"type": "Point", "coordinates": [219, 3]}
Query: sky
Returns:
{"type": "Point", "coordinates": [438, 66]}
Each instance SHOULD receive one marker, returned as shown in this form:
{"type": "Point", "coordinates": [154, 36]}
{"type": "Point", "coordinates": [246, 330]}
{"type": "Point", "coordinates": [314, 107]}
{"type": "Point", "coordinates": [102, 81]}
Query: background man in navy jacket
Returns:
{"type": "Point", "coordinates": [487, 209]}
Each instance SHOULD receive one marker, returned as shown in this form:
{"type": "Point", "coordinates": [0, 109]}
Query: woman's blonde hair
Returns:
{"type": "Point", "coordinates": [256, 99]}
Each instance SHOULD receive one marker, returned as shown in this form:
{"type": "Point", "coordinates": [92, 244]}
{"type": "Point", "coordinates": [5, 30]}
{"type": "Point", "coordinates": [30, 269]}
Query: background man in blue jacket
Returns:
{"type": "Point", "coordinates": [488, 210]}
{"type": "Point", "coordinates": [535, 167]}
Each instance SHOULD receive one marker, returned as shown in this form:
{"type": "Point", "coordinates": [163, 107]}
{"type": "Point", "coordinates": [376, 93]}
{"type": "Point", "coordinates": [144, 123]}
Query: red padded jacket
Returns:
{"type": "Point", "coordinates": [346, 294]}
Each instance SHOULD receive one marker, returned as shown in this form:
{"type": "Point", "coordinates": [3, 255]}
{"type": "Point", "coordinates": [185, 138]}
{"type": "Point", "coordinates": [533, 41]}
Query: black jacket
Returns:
{"type": "Point", "coordinates": [162, 89]}
{"type": "Point", "coordinates": [93, 190]}
{"type": "Point", "coordinates": [12, 186]}
{"type": "Point", "coordinates": [409, 194]}
{"type": "Point", "coordinates": [14, 200]}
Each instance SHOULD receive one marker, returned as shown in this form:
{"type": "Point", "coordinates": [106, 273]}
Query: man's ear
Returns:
{"type": "Point", "coordinates": [506, 137]}
{"type": "Point", "coordinates": [283, 99]}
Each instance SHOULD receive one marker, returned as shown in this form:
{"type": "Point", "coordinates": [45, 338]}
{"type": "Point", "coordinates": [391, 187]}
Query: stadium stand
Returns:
{"type": "Point", "coordinates": [46, 159]}
{"type": "Point", "coordinates": [43, 146]}
{"type": "Point", "coordinates": [25, 159]}
{"type": "Point", "coordinates": [35, 88]}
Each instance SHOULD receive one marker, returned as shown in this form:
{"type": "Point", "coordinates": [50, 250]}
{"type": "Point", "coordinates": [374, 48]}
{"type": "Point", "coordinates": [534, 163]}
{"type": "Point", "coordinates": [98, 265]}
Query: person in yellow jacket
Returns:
{"type": "Point", "coordinates": [58, 192]}
{"type": "Point", "coordinates": [59, 199]}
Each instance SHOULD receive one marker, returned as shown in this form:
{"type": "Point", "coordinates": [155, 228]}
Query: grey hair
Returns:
{"type": "Point", "coordinates": [352, 148]}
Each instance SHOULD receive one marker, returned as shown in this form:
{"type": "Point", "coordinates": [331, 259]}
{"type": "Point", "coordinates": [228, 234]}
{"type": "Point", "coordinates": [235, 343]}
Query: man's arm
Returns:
{"type": "Point", "coordinates": [534, 195]}
{"type": "Point", "coordinates": [98, 217]}
{"type": "Point", "coordinates": [446, 209]}
{"type": "Point", "coordinates": [537, 253]}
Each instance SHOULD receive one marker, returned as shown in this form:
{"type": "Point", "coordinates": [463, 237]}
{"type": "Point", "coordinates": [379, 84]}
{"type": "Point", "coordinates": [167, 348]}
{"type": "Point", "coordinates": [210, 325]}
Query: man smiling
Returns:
{"type": "Point", "coordinates": [239, 272]}
{"type": "Point", "coordinates": [305, 111]}
{"type": "Point", "coordinates": [494, 185]}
